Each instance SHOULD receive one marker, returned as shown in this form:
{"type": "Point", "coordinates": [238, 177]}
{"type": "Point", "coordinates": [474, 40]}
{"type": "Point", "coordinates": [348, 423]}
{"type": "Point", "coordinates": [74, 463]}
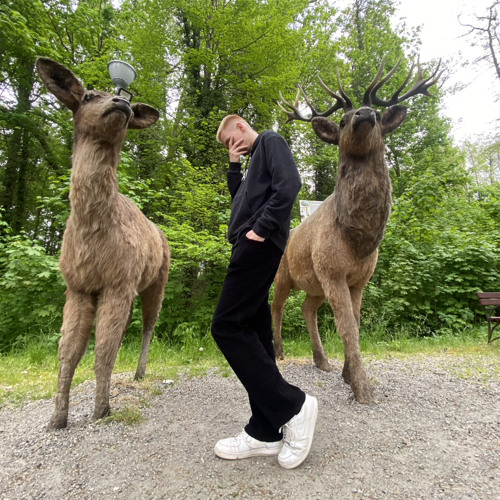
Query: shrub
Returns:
{"type": "Point", "coordinates": [31, 290]}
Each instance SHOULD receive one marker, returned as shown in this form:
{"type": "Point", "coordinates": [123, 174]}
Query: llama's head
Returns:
{"type": "Point", "coordinates": [97, 115]}
{"type": "Point", "coordinates": [361, 131]}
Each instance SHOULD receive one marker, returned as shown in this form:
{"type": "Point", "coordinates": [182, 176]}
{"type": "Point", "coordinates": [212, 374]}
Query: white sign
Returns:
{"type": "Point", "coordinates": [308, 207]}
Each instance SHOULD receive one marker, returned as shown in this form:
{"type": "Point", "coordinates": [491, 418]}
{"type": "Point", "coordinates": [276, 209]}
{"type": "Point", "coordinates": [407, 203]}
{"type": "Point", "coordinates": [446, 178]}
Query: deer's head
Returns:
{"type": "Point", "coordinates": [361, 130]}
{"type": "Point", "coordinates": [98, 115]}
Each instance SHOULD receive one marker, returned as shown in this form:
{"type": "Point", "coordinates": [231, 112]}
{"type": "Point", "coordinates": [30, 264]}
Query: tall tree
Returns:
{"type": "Point", "coordinates": [485, 32]}
{"type": "Point", "coordinates": [19, 45]}
{"type": "Point", "coordinates": [33, 153]}
{"type": "Point", "coordinates": [483, 160]}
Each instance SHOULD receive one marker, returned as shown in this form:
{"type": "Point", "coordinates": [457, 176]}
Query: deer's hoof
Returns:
{"type": "Point", "coordinates": [57, 422]}
{"type": "Point", "coordinates": [323, 364]}
{"type": "Point", "coordinates": [365, 394]}
{"type": "Point", "coordinates": [101, 413]}
{"type": "Point", "coordinates": [346, 375]}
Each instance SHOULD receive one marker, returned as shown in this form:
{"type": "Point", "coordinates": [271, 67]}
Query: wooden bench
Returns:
{"type": "Point", "coordinates": [491, 303]}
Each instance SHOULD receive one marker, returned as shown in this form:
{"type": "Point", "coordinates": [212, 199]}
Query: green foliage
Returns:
{"type": "Point", "coordinates": [483, 160]}
{"type": "Point", "coordinates": [31, 291]}
{"type": "Point", "coordinates": [193, 213]}
{"type": "Point", "coordinates": [441, 247]}
{"type": "Point", "coordinates": [196, 62]}
{"type": "Point", "coordinates": [199, 261]}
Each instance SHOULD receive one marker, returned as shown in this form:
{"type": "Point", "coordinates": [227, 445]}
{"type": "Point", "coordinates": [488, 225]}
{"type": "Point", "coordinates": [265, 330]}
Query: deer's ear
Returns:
{"type": "Point", "coordinates": [326, 129]}
{"type": "Point", "coordinates": [144, 116]}
{"type": "Point", "coordinates": [61, 82]}
{"type": "Point", "coordinates": [393, 118]}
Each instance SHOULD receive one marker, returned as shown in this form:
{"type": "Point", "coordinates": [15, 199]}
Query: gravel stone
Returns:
{"type": "Point", "coordinates": [433, 434]}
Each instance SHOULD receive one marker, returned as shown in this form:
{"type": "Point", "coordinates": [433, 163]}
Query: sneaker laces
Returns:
{"type": "Point", "coordinates": [287, 430]}
{"type": "Point", "coordinates": [242, 434]}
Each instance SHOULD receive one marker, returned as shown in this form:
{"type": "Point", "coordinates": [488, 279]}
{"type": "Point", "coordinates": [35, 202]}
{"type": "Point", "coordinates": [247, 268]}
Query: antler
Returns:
{"type": "Point", "coordinates": [342, 101]}
{"type": "Point", "coordinates": [420, 86]}
{"type": "Point", "coordinates": [370, 98]}
{"type": "Point", "coordinates": [295, 114]}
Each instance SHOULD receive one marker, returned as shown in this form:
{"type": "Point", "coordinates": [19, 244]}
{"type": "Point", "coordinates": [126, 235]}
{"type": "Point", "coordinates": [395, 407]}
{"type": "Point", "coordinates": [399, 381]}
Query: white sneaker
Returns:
{"type": "Point", "coordinates": [244, 446]}
{"type": "Point", "coordinates": [298, 435]}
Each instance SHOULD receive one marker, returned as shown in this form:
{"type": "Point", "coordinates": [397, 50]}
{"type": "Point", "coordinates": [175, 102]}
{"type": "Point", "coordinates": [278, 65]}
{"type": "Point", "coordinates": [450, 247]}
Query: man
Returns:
{"type": "Point", "coordinates": [283, 417]}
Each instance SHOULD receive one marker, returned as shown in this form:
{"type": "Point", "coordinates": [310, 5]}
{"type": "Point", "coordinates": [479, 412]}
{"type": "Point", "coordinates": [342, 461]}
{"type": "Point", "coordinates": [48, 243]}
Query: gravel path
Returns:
{"type": "Point", "coordinates": [435, 433]}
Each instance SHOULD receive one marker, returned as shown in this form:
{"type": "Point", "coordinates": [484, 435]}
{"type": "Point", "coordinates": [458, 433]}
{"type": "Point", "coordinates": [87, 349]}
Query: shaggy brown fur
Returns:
{"type": "Point", "coordinates": [332, 254]}
{"type": "Point", "coordinates": [110, 252]}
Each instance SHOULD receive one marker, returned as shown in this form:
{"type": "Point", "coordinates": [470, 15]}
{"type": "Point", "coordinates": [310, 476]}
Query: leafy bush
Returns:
{"type": "Point", "coordinates": [31, 290]}
{"type": "Point", "coordinates": [441, 247]}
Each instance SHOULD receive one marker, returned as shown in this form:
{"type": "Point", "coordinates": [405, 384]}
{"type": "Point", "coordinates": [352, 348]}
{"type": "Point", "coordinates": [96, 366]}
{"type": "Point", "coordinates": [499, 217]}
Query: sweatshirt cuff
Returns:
{"type": "Point", "coordinates": [235, 166]}
{"type": "Point", "coordinates": [260, 231]}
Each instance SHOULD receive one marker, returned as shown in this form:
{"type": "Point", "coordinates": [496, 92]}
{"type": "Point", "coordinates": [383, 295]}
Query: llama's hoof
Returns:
{"type": "Point", "coordinates": [57, 423]}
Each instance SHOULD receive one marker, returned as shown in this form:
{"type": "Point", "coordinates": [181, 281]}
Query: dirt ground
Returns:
{"type": "Point", "coordinates": [434, 433]}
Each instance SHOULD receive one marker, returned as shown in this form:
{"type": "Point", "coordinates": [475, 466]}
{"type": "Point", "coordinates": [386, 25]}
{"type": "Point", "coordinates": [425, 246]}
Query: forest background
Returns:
{"type": "Point", "coordinates": [198, 60]}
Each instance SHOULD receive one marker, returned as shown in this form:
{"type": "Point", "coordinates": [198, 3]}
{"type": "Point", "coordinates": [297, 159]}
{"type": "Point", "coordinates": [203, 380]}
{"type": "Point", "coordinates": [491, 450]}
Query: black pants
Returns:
{"type": "Point", "coordinates": [242, 328]}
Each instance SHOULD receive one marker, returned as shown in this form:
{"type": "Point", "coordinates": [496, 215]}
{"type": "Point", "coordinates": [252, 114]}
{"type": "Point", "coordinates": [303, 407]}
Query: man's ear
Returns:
{"type": "Point", "coordinates": [240, 126]}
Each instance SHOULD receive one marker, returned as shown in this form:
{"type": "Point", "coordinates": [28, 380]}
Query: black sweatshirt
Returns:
{"type": "Point", "coordinates": [263, 201]}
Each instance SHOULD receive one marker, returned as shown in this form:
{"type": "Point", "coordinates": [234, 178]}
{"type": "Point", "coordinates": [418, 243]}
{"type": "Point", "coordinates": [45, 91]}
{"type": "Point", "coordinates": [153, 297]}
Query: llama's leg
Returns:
{"type": "Point", "coordinates": [281, 291]}
{"type": "Point", "coordinates": [310, 311]}
{"type": "Point", "coordinates": [347, 324]}
{"type": "Point", "coordinates": [152, 299]}
{"type": "Point", "coordinates": [78, 318]}
{"type": "Point", "coordinates": [112, 320]}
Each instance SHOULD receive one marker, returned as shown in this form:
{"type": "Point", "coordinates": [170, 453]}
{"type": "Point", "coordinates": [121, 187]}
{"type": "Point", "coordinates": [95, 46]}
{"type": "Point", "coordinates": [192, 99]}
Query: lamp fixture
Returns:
{"type": "Point", "coordinates": [122, 74]}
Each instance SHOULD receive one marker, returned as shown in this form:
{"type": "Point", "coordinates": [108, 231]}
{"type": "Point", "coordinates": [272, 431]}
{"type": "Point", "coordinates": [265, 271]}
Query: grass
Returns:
{"type": "Point", "coordinates": [129, 415]}
{"type": "Point", "coordinates": [31, 373]}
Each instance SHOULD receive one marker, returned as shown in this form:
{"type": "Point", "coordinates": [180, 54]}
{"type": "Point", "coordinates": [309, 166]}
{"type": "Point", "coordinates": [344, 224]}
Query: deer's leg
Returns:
{"type": "Point", "coordinates": [152, 299]}
{"type": "Point", "coordinates": [310, 311]}
{"type": "Point", "coordinates": [356, 296]}
{"type": "Point", "coordinates": [354, 373]}
{"type": "Point", "coordinates": [78, 318]}
{"type": "Point", "coordinates": [282, 289]}
{"type": "Point", "coordinates": [112, 321]}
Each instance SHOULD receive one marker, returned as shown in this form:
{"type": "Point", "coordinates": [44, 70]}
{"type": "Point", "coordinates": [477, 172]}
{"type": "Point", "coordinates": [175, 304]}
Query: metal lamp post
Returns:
{"type": "Point", "coordinates": [122, 74]}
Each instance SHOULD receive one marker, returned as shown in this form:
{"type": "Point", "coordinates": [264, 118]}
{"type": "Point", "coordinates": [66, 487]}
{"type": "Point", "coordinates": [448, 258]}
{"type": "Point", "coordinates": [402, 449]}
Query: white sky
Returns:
{"type": "Point", "coordinates": [473, 110]}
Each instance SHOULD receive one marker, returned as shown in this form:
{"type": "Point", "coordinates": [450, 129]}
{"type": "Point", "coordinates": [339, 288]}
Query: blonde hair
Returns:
{"type": "Point", "coordinates": [225, 123]}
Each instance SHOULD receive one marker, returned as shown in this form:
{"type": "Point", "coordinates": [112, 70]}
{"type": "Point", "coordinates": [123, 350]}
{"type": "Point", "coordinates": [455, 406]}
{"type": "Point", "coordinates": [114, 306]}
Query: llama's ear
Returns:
{"type": "Point", "coordinates": [144, 116]}
{"type": "Point", "coordinates": [61, 82]}
{"type": "Point", "coordinates": [393, 118]}
{"type": "Point", "coordinates": [326, 129]}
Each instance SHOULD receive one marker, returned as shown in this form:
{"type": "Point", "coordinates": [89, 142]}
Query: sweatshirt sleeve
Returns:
{"type": "Point", "coordinates": [234, 177]}
{"type": "Point", "coordinates": [285, 185]}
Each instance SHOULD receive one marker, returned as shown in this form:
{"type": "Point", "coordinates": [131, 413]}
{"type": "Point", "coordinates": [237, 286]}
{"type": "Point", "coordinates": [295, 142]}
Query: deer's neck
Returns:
{"type": "Point", "coordinates": [94, 185]}
{"type": "Point", "coordinates": [363, 202]}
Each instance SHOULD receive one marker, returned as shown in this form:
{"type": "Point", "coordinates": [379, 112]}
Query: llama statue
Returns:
{"type": "Point", "coordinates": [333, 253]}
{"type": "Point", "coordinates": [110, 251]}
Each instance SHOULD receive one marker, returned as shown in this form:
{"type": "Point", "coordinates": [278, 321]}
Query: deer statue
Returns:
{"type": "Point", "coordinates": [110, 251]}
{"type": "Point", "coordinates": [333, 253]}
